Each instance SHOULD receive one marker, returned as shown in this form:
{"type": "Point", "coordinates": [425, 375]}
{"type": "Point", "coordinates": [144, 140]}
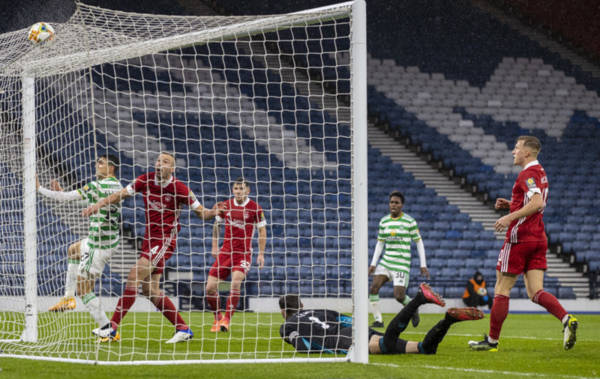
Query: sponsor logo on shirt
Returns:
{"type": "Point", "coordinates": [237, 223]}
{"type": "Point", "coordinates": [156, 205]}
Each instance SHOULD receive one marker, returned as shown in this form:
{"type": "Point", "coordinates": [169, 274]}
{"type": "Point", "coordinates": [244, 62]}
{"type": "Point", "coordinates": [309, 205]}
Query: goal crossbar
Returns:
{"type": "Point", "coordinates": [42, 67]}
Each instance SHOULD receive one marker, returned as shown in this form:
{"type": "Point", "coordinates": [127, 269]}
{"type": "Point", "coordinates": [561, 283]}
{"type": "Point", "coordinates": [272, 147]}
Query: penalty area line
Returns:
{"type": "Point", "coordinates": [483, 371]}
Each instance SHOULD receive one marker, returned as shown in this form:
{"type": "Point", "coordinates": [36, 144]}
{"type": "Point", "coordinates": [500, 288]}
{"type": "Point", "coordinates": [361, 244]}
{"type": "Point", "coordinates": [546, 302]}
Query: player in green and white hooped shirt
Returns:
{"type": "Point", "coordinates": [88, 257]}
{"type": "Point", "coordinates": [396, 231]}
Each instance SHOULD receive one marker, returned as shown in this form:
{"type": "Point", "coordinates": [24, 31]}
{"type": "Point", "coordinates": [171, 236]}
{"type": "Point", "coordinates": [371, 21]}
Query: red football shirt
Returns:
{"type": "Point", "coordinates": [239, 224]}
{"type": "Point", "coordinates": [163, 203]}
{"type": "Point", "coordinates": [532, 179]}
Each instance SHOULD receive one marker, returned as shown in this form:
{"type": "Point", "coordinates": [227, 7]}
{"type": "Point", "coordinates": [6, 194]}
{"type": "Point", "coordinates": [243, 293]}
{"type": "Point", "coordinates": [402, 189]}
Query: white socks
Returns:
{"type": "Point", "coordinates": [71, 283]}
{"type": "Point", "coordinates": [374, 300]}
{"type": "Point", "coordinates": [92, 304]}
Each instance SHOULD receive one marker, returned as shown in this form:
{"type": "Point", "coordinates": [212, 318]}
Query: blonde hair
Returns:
{"type": "Point", "coordinates": [533, 143]}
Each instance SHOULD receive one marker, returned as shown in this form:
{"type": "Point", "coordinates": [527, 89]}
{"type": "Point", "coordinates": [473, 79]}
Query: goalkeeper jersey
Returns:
{"type": "Point", "coordinates": [104, 231]}
{"type": "Point", "coordinates": [397, 233]}
{"type": "Point", "coordinates": [318, 330]}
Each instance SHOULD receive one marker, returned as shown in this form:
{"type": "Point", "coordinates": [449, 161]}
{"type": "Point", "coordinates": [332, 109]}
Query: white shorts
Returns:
{"type": "Point", "coordinates": [400, 278]}
{"type": "Point", "coordinates": [92, 261]}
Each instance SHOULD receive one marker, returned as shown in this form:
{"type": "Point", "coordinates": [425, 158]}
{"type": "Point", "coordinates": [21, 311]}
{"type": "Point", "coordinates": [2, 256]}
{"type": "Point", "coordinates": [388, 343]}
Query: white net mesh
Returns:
{"type": "Point", "coordinates": [263, 97]}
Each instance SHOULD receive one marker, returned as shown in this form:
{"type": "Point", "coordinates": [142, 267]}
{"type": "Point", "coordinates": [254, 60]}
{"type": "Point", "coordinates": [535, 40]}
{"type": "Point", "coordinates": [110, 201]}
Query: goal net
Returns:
{"type": "Point", "coordinates": [278, 99]}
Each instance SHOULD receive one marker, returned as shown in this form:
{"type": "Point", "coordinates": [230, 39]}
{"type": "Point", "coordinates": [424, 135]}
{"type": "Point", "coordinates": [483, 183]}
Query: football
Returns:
{"type": "Point", "coordinates": [40, 32]}
{"type": "Point", "coordinates": [482, 292]}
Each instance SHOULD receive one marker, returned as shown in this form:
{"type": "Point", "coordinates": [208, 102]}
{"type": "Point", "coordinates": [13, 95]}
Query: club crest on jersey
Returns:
{"type": "Point", "coordinates": [530, 183]}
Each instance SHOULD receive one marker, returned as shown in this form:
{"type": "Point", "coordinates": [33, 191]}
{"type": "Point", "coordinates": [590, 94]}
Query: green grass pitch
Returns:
{"type": "Point", "coordinates": [531, 346]}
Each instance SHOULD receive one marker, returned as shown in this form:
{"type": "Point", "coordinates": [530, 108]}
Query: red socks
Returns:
{"type": "Point", "coordinates": [550, 302]}
{"type": "Point", "coordinates": [166, 306]}
{"type": "Point", "coordinates": [213, 303]}
{"type": "Point", "coordinates": [232, 302]}
{"type": "Point", "coordinates": [125, 303]}
{"type": "Point", "coordinates": [163, 303]}
{"type": "Point", "coordinates": [498, 315]}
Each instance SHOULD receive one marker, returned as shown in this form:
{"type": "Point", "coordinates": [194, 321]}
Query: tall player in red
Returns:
{"type": "Point", "coordinates": [240, 215]}
{"type": "Point", "coordinates": [524, 250]}
{"type": "Point", "coordinates": [164, 196]}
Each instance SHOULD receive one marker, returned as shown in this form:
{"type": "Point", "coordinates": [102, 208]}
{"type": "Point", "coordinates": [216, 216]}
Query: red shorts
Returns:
{"type": "Point", "coordinates": [158, 251]}
{"type": "Point", "coordinates": [517, 258]}
{"type": "Point", "coordinates": [227, 262]}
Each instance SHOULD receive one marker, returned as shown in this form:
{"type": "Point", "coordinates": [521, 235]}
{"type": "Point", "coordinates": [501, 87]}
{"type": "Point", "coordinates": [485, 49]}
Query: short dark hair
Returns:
{"type": "Point", "coordinates": [111, 159]}
{"type": "Point", "coordinates": [397, 194]}
{"type": "Point", "coordinates": [531, 142]}
{"type": "Point", "coordinates": [241, 180]}
{"type": "Point", "coordinates": [290, 304]}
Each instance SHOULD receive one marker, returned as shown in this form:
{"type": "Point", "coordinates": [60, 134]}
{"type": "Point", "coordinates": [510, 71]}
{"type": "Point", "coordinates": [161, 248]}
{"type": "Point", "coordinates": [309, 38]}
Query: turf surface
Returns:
{"type": "Point", "coordinates": [531, 346]}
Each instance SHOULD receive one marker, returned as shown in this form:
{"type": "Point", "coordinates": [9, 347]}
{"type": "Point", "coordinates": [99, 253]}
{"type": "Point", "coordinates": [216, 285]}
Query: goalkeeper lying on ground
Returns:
{"type": "Point", "coordinates": [327, 331]}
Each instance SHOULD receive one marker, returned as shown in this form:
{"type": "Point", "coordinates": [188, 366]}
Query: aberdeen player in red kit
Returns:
{"type": "Point", "coordinates": [164, 196]}
{"type": "Point", "coordinates": [524, 250]}
{"type": "Point", "coordinates": [240, 215]}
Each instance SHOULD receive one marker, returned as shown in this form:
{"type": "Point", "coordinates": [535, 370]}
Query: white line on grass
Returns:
{"type": "Point", "coordinates": [482, 371]}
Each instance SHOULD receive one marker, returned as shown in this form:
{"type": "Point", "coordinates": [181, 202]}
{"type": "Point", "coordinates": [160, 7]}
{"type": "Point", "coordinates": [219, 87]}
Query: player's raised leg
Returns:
{"type": "Point", "coordinates": [403, 298]}
{"type": "Point", "coordinates": [436, 334]}
{"type": "Point", "coordinates": [425, 295]}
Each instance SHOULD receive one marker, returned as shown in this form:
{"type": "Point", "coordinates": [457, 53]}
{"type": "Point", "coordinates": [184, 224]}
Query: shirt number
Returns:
{"type": "Point", "coordinates": [323, 324]}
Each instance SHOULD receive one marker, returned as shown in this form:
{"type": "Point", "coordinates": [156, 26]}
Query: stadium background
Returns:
{"type": "Point", "coordinates": [453, 84]}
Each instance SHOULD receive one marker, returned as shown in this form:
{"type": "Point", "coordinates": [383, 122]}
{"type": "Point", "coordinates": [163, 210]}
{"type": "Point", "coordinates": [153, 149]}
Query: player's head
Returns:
{"type": "Point", "coordinates": [289, 305]}
{"type": "Point", "coordinates": [396, 203]}
{"type": "Point", "coordinates": [106, 166]}
{"type": "Point", "coordinates": [240, 189]}
{"type": "Point", "coordinates": [165, 165]}
{"type": "Point", "coordinates": [526, 150]}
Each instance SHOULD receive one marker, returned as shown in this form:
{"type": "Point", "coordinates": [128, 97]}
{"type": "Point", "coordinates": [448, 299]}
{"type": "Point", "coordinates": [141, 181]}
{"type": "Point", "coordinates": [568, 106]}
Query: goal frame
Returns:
{"type": "Point", "coordinates": [358, 82]}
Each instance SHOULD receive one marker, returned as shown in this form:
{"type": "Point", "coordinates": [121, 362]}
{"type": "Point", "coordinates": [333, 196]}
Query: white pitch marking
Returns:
{"type": "Point", "coordinates": [483, 371]}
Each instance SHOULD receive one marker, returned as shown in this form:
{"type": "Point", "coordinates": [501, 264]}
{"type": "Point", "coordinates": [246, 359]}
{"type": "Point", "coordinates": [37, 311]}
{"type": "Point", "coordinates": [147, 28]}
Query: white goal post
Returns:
{"type": "Point", "coordinates": [280, 100]}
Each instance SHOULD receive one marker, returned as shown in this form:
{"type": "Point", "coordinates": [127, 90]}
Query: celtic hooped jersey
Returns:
{"type": "Point", "coordinates": [104, 230]}
{"type": "Point", "coordinates": [397, 233]}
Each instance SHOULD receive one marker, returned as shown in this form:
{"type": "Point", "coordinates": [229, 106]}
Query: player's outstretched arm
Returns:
{"type": "Point", "coordinates": [376, 255]}
{"type": "Point", "coordinates": [114, 198]}
{"type": "Point", "coordinates": [215, 239]}
{"type": "Point", "coordinates": [56, 192]}
{"type": "Point", "coordinates": [422, 260]}
{"type": "Point", "coordinates": [206, 214]}
{"type": "Point", "coordinates": [262, 244]}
